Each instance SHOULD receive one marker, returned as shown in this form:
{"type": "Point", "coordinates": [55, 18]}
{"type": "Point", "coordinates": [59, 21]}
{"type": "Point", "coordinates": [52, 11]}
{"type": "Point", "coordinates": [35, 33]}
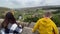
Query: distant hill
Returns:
{"type": "Point", "coordinates": [4, 9]}
{"type": "Point", "coordinates": [41, 7]}
{"type": "Point", "coordinates": [35, 9]}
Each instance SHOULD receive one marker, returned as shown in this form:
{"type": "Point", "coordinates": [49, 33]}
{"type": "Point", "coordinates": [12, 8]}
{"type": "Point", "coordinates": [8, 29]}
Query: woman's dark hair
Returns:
{"type": "Point", "coordinates": [9, 18]}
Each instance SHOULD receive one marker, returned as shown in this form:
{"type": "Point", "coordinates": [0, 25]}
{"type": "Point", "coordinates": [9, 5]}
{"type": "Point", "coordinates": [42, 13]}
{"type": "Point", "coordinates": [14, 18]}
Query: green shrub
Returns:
{"type": "Point", "coordinates": [32, 19]}
{"type": "Point", "coordinates": [56, 19]}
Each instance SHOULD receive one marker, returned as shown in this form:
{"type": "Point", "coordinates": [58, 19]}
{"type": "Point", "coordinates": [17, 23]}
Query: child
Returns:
{"type": "Point", "coordinates": [45, 25]}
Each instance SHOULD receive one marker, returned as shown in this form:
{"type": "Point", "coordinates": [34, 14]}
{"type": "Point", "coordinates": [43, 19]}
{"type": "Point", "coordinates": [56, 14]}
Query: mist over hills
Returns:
{"type": "Point", "coordinates": [27, 9]}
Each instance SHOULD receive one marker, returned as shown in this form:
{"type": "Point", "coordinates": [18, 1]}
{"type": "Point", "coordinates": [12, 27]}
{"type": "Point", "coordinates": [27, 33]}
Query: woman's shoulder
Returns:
{"type": "Point", "coordinates": [14, 25]}
{"type": "Point", "coordinates": [17, 28]}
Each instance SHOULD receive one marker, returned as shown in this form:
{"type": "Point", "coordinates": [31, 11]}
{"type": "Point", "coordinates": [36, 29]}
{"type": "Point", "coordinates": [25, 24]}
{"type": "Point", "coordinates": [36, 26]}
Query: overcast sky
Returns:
{"type": "Point", "coordinates": [27, 3]}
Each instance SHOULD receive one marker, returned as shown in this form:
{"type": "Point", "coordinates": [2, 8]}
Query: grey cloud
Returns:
{"type": "Point", "coordinates": [27, 3]}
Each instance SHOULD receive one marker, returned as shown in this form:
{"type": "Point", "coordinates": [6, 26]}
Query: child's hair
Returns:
{"type": "Point", "coordinates": [47, 14]}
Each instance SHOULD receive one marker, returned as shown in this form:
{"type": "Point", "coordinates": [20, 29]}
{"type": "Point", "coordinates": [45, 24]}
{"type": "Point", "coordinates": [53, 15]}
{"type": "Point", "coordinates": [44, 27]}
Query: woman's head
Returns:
{"type": "Point", "coordinates": [9, 18]}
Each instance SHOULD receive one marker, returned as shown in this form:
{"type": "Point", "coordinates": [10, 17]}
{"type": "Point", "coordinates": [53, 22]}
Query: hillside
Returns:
{"type": "Point", "coordinates": [36, 9]}
{"type": "Point", "coordinates": [41, 7]}
{"type": "Point", "coordinates": [2, 11]}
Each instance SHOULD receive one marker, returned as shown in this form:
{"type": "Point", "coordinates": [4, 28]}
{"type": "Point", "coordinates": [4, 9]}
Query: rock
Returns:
{"type": "Point", "coordinates": [28, 30]}
{"type": "Point", "coordinates": [1, 20]}
{"type": "Point", "coordinates": [32, 25]}
{"type": "Point", "coordinates": [59, 29]}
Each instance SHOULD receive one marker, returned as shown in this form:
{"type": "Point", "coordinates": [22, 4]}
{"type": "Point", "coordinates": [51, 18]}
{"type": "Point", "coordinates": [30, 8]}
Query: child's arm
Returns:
{"type": "Point", "coordinates": [55, 29]}
{"type": "Point", "coordinates": [36, 26]}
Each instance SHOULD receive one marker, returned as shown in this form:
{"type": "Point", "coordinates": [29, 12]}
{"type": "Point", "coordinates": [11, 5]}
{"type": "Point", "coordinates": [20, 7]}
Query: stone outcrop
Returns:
{"type": "Point", "coordinates": [27, 30]}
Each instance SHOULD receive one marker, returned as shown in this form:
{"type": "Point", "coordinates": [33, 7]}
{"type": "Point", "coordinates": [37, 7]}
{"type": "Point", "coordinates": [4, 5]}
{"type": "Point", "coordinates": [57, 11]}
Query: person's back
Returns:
{"type": "Point", "coordinates": [10, 26]}
{"type": "Point", "coordinates": [45, 26]}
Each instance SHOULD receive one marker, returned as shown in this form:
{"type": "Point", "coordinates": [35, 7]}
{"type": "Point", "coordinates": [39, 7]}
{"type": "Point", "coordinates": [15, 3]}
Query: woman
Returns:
{"type": "Point", "coordinates": [10, 26]}
{"type": "Point", "coordinates": [45, 25]}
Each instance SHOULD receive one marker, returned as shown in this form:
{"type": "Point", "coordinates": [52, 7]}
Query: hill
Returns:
{"type": "Point", "coordinates": [2, 11]}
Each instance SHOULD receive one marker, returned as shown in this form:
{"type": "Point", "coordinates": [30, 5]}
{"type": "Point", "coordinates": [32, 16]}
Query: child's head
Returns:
{"type": "Point", "coordinates": [47, 14]}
